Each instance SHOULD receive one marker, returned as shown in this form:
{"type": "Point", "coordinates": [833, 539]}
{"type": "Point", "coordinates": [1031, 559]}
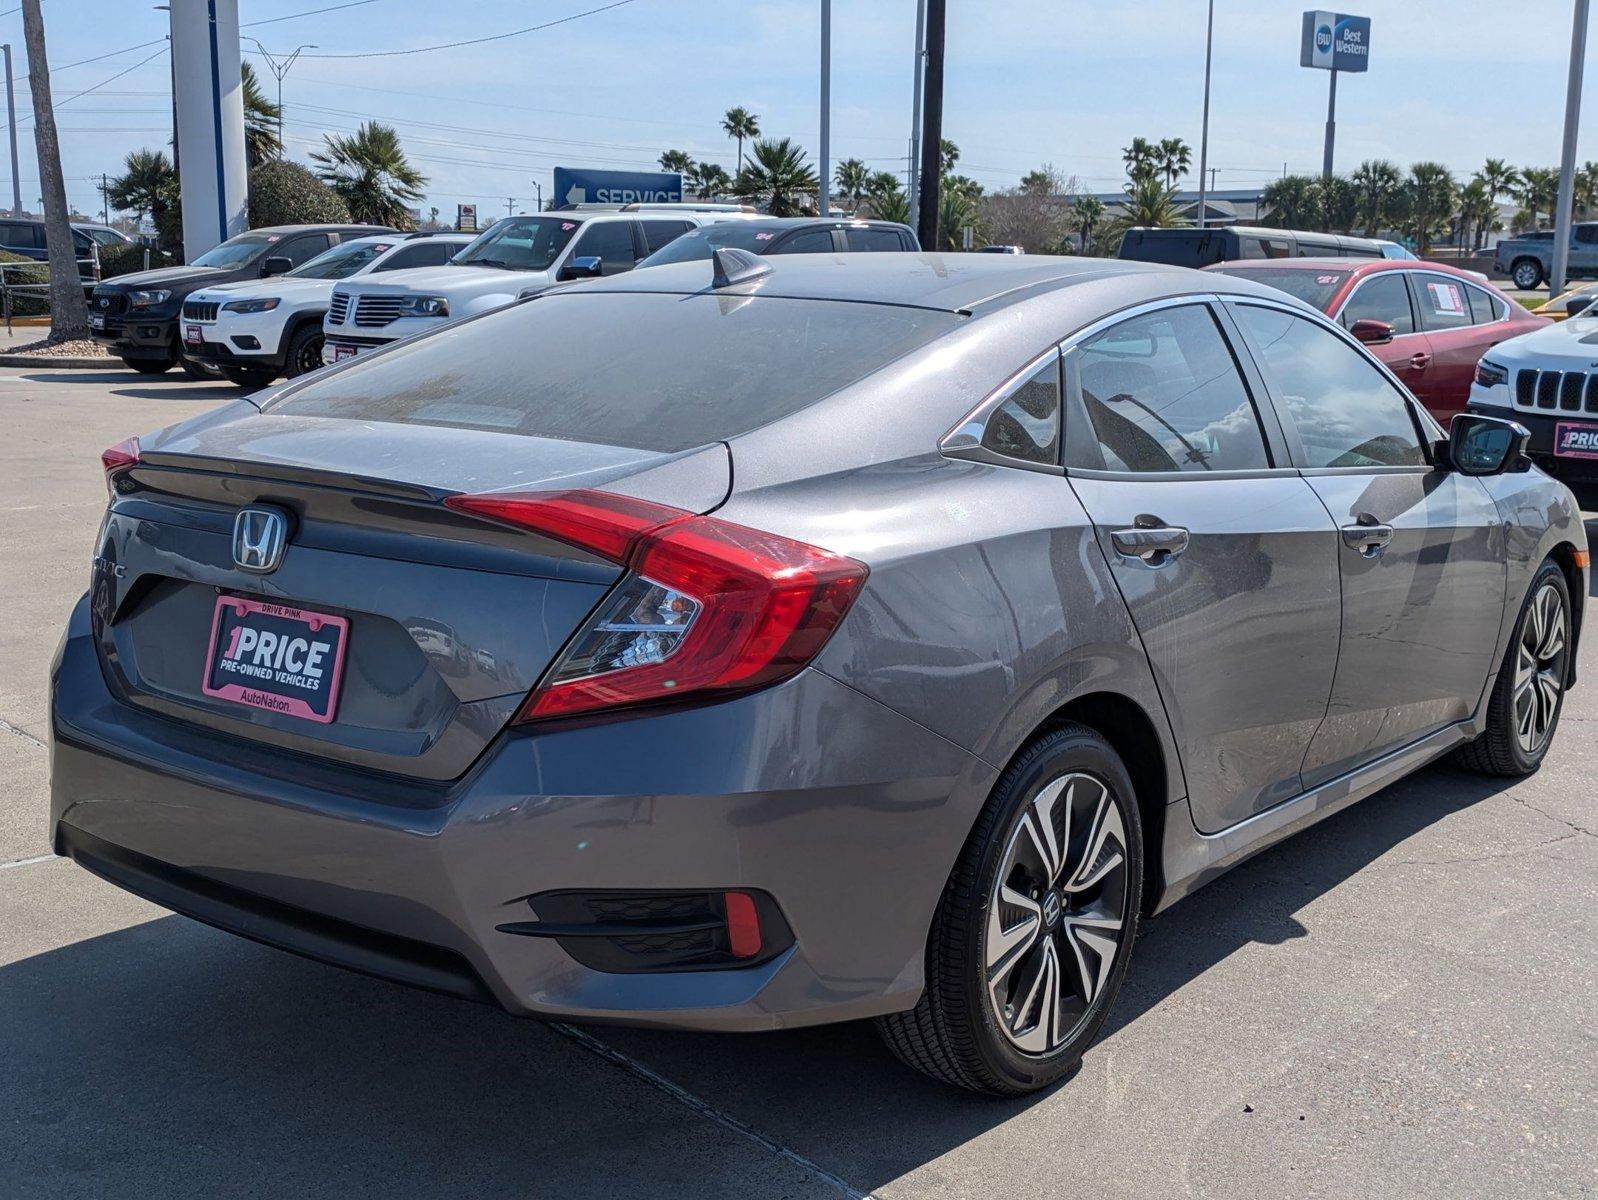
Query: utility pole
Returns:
{"type": "Point", "coordinates": [11, 118]}
{"type": "Point", "coordinates": [539, 189]}
{"type": "Point", "coordinates": [280, 67]}
{"type": "Point", "coordinates": [1204, 135]}
{"type": "Point", "coordinates": [105, 199]}
{"type": "Point", "coordinates": [932, 129]}
{"type": "Point", "coordinates": [1567, 160]}
{"type": "Point", "coordinates": [510, 205]}
{"type": "Point", "coordinates": [823, 197]}
{"type": "Point", "coordinates": [914, 190]}
{"type": "Point", "coordinates": [69, 313]}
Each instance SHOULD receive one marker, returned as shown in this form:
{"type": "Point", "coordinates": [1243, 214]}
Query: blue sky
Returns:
{"type": "Point", "coordinates": [1067, 82]}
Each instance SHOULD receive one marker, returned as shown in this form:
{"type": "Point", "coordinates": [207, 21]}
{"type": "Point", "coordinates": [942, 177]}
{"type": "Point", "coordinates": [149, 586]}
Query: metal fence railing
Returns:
{"type": "Point", "coordinates": [19, 280]}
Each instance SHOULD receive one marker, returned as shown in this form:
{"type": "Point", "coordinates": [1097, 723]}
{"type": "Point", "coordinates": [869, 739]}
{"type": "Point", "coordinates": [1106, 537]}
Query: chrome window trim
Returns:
{"type": "Point", "coordinates": [1463, 283]}
{"type": "Point", "coordinates": [964, 438]}
{"type": "Point", "coordinates": [1414, 315]}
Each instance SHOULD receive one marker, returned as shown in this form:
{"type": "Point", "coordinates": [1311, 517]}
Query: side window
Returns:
{"type": "Point", "coordinates": [873, 239]}
{"type": "Point", "coordinates": [658, 233]}
{"type": "Point", "coordinates": [1026, 424]}
{"type": "Point", "coordinates": [20, 235]}
{"type": "Point", "coordinates": [418, 254]}
{"type": "Point", "coordinates": [300, 249]}
{"type": "Point", "coordinates": [1587, 235]}
{"type": "Point", "coordinates": [1382, 297]}
{"type": "Point", "coordinates": [1163, 393]}
{"type": "Point", "coordinates": [1346, 411]}
{"type": "Point", "coordinates": [1483, 307]}
{"type": "Point", "coordinates": [609, 241]}
{"type": "Point", "coordinates": [1442, 302]}
{"type": "Point", "coordinates": [813, 241]}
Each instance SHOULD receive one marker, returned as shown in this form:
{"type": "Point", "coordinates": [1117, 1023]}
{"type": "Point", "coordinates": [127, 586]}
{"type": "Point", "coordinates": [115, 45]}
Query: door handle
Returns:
{"type": "Point", "coordinates": [1367, 535]}
{"type": "Point", "coordinates": [1420, 361]}
{"type": "Point", "coordinates": [1155, 545]}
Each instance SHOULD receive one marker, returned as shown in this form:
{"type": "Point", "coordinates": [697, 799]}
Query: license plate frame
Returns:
{"type": "Point", "coordinates": [233, 615]}
{"type": "Point", "coordinates": [192, 335]}
{"type": "Point", "coordinates": [1587, 428]}
{"type": "Point", "coordinates": [96, 321]}
{"type": "Point", "coordinates": [342, 350]}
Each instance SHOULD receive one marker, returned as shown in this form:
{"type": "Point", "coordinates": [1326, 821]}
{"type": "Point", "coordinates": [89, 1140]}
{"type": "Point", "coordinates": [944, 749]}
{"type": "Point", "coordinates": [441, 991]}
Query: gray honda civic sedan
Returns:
{"type": "Point", "coordinates": [767, 642]}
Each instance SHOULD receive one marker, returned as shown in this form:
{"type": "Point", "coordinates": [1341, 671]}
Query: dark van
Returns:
{"type": "Point", "coordinates": [1202, 247]}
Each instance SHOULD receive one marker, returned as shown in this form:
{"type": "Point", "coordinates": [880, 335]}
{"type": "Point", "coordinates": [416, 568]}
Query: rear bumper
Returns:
{"type": "Point", "coordinates": [848, 814]}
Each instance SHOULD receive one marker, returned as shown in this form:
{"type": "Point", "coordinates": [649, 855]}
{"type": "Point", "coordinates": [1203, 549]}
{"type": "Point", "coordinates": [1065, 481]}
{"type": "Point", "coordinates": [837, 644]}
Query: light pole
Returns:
{"type": "Point", "coordinates": [1204, 134]}
{"type": "Point", "coordinates": [280, 67]}
{"type": "Point", "coordinates": [914, 190]}
{"type": "Point", "coordinates": [1567, 161]}
{"type": "Point", "coordinates": [826, 103]}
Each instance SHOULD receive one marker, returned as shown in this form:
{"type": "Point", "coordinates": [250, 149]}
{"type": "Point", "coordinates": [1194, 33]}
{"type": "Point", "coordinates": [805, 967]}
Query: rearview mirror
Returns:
{"type": "Point", "coordinates": [584, 267]}
{"type": "Point", "coordinates": [1372, 332]}
{"type": "Point", "coordinates": [1577, 304]}
{"type": "Point", "coordinates": [1479, 445]}
{"type": "Point", "coordinates": [277, 265]}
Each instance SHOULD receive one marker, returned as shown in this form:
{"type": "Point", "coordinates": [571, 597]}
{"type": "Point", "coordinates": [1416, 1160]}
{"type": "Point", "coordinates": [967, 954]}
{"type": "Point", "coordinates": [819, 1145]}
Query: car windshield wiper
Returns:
{"type": "Point", "coordinates": [489, 262]}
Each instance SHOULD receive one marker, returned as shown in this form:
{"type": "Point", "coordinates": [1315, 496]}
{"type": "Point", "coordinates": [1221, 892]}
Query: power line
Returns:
{"type": "Point", "coordinates": [103, 82]}
{"type": "Point", "coordinates": [496, 37]}
{"type": "Point", "coordinates": [311, 12]}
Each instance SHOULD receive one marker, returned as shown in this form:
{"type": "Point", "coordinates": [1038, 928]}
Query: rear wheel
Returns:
{"type": "Point", "coordinates": [150, 366]}
{"type": "Point", "coordinates": [305, 351]}
{"type": "Point", "coordinates": [1527, 274]}
{"type": "Point", "coordinates": [1032, 937]}
{"type": "Point", "coordinates": [1529, 694]}
{"type": "Point", "coordinates": [248, 377]}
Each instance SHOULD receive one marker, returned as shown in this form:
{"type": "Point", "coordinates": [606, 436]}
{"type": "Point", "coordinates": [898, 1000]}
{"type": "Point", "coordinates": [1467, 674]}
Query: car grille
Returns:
{"type": "Point", "coordinates": [1557, 391]}
{"type": "Point", "coordinates": [110, 304]}
{"type": "Point", "coordinates": [338, 308]}
{"type": "Point", "coordinates": [373, 312]}
{"type": "Point", "coordinates": [200, 310]}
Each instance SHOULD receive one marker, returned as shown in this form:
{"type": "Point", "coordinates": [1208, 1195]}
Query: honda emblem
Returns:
{"type": "Point", "coordinates": [259, 536]}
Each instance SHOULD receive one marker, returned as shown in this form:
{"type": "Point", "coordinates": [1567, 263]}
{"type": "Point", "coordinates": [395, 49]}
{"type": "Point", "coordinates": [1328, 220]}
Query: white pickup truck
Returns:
{"type": "Point", "coordinates": [514, 257]}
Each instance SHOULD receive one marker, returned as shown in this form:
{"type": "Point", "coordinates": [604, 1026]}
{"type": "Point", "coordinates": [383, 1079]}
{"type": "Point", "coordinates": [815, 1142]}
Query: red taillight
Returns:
{"type": "Point", "coordinates": [119, 458]}
{"type": "Point", "coordinates": [709, 607]}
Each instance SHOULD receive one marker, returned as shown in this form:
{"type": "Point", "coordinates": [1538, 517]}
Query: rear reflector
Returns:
{"type": "Point", "coordinates": [117, 459]}
{"type": "Point", "coordinates": [743, 925]}
{"type": "Point", "coordinates": [709, 607]}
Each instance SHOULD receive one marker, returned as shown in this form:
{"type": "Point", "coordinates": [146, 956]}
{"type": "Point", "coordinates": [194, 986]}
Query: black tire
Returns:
{"type": "Point", "coordinates": [198, 371]}
{"type": "Point", "coordinates": [150, 366]}
{"type": "Point", "coordinates": [1500, 749]}
{"type": "Point", "coordinates": [953, 1033]}
{"type": "Point", "coordinates": [1527, 274]}
{"type": "Point", "coordinates": [305, 351]}
{"type": "Point", "coordinates": [248, 377]}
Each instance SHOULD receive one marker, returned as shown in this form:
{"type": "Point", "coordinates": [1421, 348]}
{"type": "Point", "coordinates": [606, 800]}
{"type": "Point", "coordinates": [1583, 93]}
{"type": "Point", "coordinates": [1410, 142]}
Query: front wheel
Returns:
{"type": "Point", "coordinates": [1032, 937]}
{"type": "Point", "coordinates": [1527, 274]}
{"type": "Point", "coordinates": [305, 351]}
{"type": "Point", "coordinates": [1523, 710]}
{"type": "Point", "coordinates": [248, 377]}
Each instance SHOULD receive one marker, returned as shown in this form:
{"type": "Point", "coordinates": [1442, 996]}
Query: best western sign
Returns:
{"type": "Point", "coordinates": [1335, 42]}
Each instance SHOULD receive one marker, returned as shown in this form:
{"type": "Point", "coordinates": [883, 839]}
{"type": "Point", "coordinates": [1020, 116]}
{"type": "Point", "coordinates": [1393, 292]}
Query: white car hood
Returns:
{"type": "Point", "coordinates": [1569, 345]}
{"type": "Point", "coordinates": [454, 282]}
{"type": "Point", "coordinates": [287, 290]}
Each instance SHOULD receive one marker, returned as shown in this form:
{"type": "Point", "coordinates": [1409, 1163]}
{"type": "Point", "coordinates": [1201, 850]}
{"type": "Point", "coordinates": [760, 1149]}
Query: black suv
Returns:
{"type": "Point", "coordinates": [785, 235]}
{"type": "Point", "coordinates": [25, 236]}
{"type": "Point", "coordinates": [135, 316]}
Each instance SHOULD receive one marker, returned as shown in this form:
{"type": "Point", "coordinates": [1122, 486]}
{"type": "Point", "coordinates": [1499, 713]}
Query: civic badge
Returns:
{"type": "Point", "coordinates": [259, 537]}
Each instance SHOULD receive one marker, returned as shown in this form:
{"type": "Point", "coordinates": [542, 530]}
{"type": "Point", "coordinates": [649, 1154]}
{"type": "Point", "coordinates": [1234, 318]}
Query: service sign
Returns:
{"type": "Point", "coordinates": [1335, 42]}
{"type": "Point", "coordinates": [574, 186]}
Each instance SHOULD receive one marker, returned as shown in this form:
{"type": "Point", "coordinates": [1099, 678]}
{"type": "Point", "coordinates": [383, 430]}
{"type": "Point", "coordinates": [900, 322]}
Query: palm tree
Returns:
{"type": "Point", "coordinates": [1376, 183]}
{"type": "Point", "coordinates": [1291, 202]}
{"type": "Point", "coordinates": [1539, 186]}
{"type": "Point", "coordinates": [886, 198]}
{"type": "Point", "coordinates": [1432, 194]}
{"type": "Point", "coordinates": [1477, 209]}
{"type": "Point", "coordinates": [369, 170]}
{"type": "Point", "coordinates": [1587, 188]}
{"type": "Point", "coordinates": [1337, 200]}
{"type": "Point", "coordinates": [1088, 212]}
{"type": "Point", "coordinates": [740, 123]}
{"type": "Point", "coordinates": [957, 212]}
{"type": "Point", "coordinates": [263, 122]}
{"type": "Point", "coordinates": [1148, 203]}
{"type": "Point", "coordinates": [1141, 157]}
{"type": "Point", "coordinates": [948, 155]}
{"type": "Point", "coordinates": [69, 313]}
{"type": "Point", "coordinates": [140, 187]}
{"type": "Point", "coordinates": [709, 179]}
{"type": "Point", "coordinates": [1174, 157]}
{"type": "Point", "coordinates": [676, 160]}
{"type": "Point", "coordinates": [1498, 177]}
{"type": "Point", "coordinates": [777, 175]}
{"type": "Point", "coordinates": [851, 177]}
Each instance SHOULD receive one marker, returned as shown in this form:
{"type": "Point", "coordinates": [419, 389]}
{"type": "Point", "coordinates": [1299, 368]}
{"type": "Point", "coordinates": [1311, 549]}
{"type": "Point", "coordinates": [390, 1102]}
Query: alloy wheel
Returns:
{"type": "Point", "coordinates": [1056, 913]}
{"type": "Point", "coordinates": [310, 356]}
{"type": "Point", "coordinates": [1540, 669]}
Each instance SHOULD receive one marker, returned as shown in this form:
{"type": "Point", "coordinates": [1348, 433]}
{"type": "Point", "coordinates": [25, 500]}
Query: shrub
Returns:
{"type": "Point", "coordinates": [33, 304]}
{"type": "Point", "coordinates": [285, 193]}
{"type": "Point", "coordinates": [124, 260]}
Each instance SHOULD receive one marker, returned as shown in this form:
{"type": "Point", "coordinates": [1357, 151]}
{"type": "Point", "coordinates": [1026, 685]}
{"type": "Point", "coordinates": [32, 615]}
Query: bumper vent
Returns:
{"type": "Point", "coordinates": [200, 310]}
{"type": "Point", "coordinates": [338, 309]}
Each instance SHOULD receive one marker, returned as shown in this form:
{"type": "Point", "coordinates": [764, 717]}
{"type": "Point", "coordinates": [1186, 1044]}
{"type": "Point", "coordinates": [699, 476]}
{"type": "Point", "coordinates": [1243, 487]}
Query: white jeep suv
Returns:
{"type": "Point", "coordinates": [513, 258]}
{"type": "Point", "coordinates": [258, 329]}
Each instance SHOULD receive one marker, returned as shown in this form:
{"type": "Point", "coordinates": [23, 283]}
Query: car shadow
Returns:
{"type": "Point", "coordinates": [133, 386]}
{"type": "Point", "coordinates": [168, 1058]}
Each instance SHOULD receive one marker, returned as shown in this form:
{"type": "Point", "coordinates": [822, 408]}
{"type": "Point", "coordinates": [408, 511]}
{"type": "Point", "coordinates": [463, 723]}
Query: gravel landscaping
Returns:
{"type": "Point", "coordinates": [80, 348]}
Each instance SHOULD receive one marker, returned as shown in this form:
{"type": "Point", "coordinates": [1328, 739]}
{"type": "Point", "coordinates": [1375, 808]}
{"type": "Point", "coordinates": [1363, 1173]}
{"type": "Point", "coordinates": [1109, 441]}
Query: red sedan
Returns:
{"type": "Point", "coordinates": [1429, 323]}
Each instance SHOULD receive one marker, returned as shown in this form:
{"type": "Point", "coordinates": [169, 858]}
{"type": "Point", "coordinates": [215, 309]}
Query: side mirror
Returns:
{"type": "Point", "coordinates": [584, 267]}
{"type": "Point", "coordinates": [1371, 332]}
{"type": "Point", "coordinates": [1479, 445]}
{"type": "Point", "coordinates": [276, 265]}
{"type": "Point", "coordinates": [1577, 305]}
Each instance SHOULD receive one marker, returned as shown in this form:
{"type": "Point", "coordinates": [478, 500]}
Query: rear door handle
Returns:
{"type": "Point", "coordinates": [1367, 535]}
{"type": "Point", "coordinates": [1420, 361]}
{"type": "Point", "coordinates": [1155, 545]}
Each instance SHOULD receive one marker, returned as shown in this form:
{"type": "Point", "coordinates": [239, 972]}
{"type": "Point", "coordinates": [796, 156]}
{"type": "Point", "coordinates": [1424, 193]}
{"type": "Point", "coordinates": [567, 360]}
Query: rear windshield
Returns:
{"type": "Point", "coordinates": [701, 243]}
{"type": "Point", "coordinates": [1314, 287]}
{"type": "Point", "coordinates": [645, 371]}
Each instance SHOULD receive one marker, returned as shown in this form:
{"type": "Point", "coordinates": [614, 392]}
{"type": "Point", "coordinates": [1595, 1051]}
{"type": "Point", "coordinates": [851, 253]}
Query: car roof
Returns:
{"type": "Point", "coordinates": [948, 282]}
{"type": "Point", "coordinates": [331, 227]}
{"type": "Point", "coordinates": [1354, 266]}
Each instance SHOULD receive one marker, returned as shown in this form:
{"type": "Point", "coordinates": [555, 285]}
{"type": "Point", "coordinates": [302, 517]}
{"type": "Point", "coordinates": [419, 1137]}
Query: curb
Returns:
{"type": "Point", "coordinates": [43, 362]}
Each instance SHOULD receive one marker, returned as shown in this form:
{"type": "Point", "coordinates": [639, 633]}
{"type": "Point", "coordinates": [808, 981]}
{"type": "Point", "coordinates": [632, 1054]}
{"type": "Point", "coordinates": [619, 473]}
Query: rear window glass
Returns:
{"type": "Point", "coordinates": [1315, 288]}
{"type": "Point", "coordinates": [687, 370]}
{"type": "Point", "coordinates": [754, 236]}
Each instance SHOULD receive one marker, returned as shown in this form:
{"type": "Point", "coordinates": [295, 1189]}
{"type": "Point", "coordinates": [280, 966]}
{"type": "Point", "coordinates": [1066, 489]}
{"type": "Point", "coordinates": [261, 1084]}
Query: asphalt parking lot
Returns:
{"type": "Point", "coordinates": [1401, 1002]}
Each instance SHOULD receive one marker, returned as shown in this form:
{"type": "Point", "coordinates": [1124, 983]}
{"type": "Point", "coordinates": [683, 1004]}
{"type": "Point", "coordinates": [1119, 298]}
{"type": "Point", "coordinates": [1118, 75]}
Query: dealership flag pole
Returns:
{"type": "Point", "coordinates": [1567, 161]}
{"type": "Point", "coordinates": [1204, 135]}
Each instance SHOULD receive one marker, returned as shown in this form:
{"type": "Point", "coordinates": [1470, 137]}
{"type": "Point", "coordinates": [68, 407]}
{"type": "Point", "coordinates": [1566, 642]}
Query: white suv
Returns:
{"type": "Point", "coordinates": [259, 329]}
{"type": "Point", "coordinates": [513, 258]}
